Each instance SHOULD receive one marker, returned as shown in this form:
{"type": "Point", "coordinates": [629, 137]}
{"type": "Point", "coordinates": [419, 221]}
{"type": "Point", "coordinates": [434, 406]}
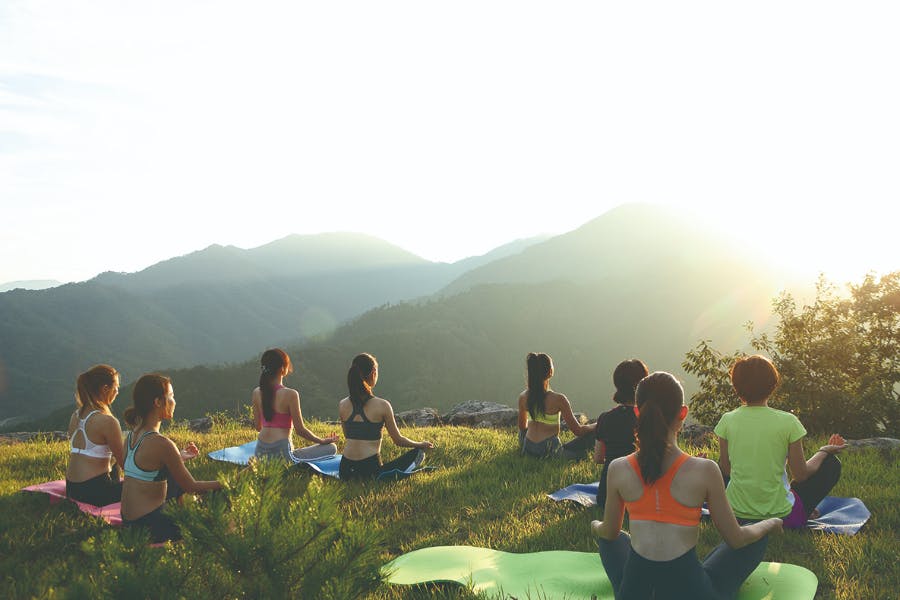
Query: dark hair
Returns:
{"type": "Point", "coordinates": [357, 386]}
{"type": "Point", "coordinates": [89, 384]}
{"type": "Point", "coordinates": [659, 401]}
{"type": "Point", "coordinates": [274, 363]}
{"type": "Point", "coordinates": [539, 368]}
{"type": "Point", "coordinates": [147, 389]}
{"type": "Point", "coordinates": [626, 377]}
{"type": "Point", "coordinates": [754, 378]}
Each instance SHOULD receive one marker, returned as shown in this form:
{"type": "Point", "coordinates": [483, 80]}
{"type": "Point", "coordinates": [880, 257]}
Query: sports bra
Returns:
{"type": "Point", "coordinates": [361, 430]}
{"type": "Point", "coordinates": [90, 448]}
{"type": "Point", "coordinates": [657, 503]}
{"type": "Point", "coordinates": [546, 419]}
{"type": "Point", "coordinates": [134, 471]}
{"type": "Point", "coordinates": [279, 420]}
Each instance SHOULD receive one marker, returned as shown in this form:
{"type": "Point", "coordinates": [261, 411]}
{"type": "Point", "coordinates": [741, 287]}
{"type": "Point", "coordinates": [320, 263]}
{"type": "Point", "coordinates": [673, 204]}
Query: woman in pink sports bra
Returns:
{"type": "Point", "coordinates": [95, 438]}
{"type": "Point", "coordinates": [663, 489]}
{"type": "Point", "coordinates": [276, 412]}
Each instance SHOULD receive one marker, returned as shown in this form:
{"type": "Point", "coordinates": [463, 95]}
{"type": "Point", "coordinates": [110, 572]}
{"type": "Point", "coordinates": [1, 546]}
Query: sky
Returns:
{"type": "Point", "coordinates": [132, 132]}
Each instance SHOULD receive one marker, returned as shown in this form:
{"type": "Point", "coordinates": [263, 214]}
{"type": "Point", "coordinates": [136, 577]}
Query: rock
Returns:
{"type": "Point", "coordinates": [201, 425]}
{"type": "Point", "coordinates": [879, 442]}
{"type": "Point", "coordinates": [419, 417]}
{"type": "Point", "coordinates": [482, 414]}
{"type": "Point", "coordinates": [30, 436]}
{"type": "Point", "coordinates": [696, 434]}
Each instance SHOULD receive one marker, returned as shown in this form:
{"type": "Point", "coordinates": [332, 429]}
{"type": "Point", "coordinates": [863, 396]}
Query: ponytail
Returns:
{"type": "Point", "coordinates": [539, 368]}
{"type": "Point", "coordinates": [147, 389]}
{"type": "Point", "coordinates": [89, 384]}
{"type": "Point", "coordinates": [358, 388]}
{"type": "Point", "coordinates": [274, 363]}
{"type": "Point", "coordinates": [659, 400]}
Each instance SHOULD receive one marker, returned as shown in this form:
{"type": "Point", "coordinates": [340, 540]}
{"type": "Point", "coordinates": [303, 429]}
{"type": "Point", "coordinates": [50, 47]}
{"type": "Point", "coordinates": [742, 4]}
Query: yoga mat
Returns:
{"type": "Point", "coordinates": [560, 573]}
{"type": "Point", "coordinates": [837, 515]}
{"type": "Point", "coordinates": [240, 455]}
{"type": "Point", "coordinates": [111, 513]}
{"type": "Point", "coordinates": [329, 467]}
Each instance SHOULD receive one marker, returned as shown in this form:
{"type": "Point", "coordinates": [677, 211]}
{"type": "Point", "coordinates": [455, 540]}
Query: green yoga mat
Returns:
{"type": "Point", "coordinates": [563, 574]}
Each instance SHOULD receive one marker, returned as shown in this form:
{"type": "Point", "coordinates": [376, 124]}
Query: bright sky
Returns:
{"type": "Point", "coordinates": [134, 131]}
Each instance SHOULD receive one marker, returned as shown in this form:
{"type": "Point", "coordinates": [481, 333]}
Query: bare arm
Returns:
{"type": "Point", "coordinates": [734, 534]}
{"type": "Point", "coordinates": [802, 469]}
{"type": "Point", "coordinates": [724, 461]}
{"type": "Point", "coordinates": [173, 461]}
{"type": "Point", "coordinates": [523, 412]}
{"type": "Point", "coordinates": [614, 510]}
{"type": "Point", "coordinates": [576, 427]}
{"type": "Point", "coordinates": [599, 451]}
{"type": "Point", "coordinates": [299, 425]}
{"type": "Point", "coordinates": [394, 431]}
{"type": "Point", "coordinates": [112, 431]}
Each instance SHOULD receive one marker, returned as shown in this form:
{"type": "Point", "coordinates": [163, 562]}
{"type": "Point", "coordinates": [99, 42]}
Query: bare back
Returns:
{"type": "Point", "coordinates": [101, 429]}
{"type": "Point", "coordinates": [282, 403]}
{"type": "Point", "coordinates": [376, 410]}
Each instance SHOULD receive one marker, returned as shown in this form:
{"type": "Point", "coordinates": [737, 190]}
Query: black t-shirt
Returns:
{"type": "Point", "coordinates": [615, 428]}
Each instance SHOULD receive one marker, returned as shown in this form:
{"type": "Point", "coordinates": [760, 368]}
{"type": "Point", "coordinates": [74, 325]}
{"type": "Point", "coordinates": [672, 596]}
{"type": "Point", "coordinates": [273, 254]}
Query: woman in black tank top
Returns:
{"type": "Point", "coordinates": [363, 417]}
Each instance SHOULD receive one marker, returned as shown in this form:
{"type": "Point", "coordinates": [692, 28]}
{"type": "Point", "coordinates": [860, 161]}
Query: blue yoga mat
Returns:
{"type": "Point", "coordinates": [326, 465]}
{"type": "Point", "coordinates": [836, 515]}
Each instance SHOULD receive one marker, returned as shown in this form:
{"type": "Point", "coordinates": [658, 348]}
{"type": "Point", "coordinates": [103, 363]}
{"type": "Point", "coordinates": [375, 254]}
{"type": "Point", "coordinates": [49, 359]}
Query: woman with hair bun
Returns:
{"type": "Point", "coordinates": [95, 438]}
{"type": "Point", "coordinates": [276, 413]}
{"type": "Point", "coordinates": [615, 428]}
{"type": "Point", "coordinates": [363, 417]}
{"type": "Point", "coordinates": [154, 467]}
{"type": "Point", "coordinates": [663, 489]}
{"type": "Point", "coordinates": [540, 409]}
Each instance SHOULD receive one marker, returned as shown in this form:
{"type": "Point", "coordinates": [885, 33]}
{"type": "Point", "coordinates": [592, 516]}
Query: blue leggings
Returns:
{"type": "Point", "coordinates": [634, 577]}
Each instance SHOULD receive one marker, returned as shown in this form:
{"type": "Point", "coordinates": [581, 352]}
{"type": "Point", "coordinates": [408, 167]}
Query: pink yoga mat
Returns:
{"type": "Point", "coordinates": [111, 513]}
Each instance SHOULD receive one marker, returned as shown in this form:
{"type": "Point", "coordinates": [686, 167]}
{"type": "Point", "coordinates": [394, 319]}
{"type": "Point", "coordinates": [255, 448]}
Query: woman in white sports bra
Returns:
{"type": "Point", "coordinates": [95, 438]}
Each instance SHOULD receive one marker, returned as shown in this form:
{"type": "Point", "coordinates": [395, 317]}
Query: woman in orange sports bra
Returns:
{"type": "Point", "coordinates": [663, 489]}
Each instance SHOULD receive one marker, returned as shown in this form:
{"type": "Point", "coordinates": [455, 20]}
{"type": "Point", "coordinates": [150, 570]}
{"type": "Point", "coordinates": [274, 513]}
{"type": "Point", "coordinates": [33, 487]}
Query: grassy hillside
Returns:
{"type": "Point", "coordinates": [483, 494]}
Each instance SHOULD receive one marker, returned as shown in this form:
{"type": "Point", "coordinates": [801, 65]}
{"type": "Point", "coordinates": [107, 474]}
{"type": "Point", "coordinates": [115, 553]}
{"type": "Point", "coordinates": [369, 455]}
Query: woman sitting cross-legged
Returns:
{"type": "Point", "coordinates": [154, 467]}
{"type": "Point", "coordinates": [276, 413]}
{"type": "Point", "coordinates": [95, 438]}
{"type": "Point", "coordinates": [663, 489]}
{"type": "Point", "coordinates": [363, 416]}
{"type": "Point", "coordinates": [540, 409]}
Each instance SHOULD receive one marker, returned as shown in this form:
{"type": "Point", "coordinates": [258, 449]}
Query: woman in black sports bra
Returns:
{"type": "Point", "coordinates": [363, 416]}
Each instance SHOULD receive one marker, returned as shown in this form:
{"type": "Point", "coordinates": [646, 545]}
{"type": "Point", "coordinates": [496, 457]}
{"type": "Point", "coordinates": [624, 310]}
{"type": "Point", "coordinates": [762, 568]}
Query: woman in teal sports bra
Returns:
{"type": "Point", "coordinates": [154, 467]}
{"type": "Point", "coordinates": [276, 414]}
{"type": "Point", "coordinates": [540, 409]}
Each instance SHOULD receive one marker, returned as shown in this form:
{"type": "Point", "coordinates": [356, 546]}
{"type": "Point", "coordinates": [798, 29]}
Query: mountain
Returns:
{"type": "Point", "coordinates": [35, 284]}
{"type": "Point", "coordinates": [218, 305]}
{"type": "Point", "coordinates": [635, 282]}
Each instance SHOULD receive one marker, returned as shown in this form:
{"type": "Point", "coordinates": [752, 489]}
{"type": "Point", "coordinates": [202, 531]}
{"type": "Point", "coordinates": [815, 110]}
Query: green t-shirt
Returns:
{"type": "Point", "coordinates": [758, 439]}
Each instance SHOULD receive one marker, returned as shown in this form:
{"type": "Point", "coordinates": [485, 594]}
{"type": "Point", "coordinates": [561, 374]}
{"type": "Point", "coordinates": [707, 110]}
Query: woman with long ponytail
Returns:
{"type": "Point", "coordinates": [95, 438]}
{"type": "Point", "coordinates": [154, 466]}
{"type": "Point", "coordinates": [663, 489]}
{"type": "Point", "coordinates": [363, 417]}
{"type": "Point", "coordinates": [540, 409]}
{"type": "Point", "coordinates": [276, 414]}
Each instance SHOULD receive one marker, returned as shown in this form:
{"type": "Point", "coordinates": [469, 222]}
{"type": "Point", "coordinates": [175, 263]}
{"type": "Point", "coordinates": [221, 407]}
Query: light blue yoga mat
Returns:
{"type": "Point", "coordinates": [563, 574]}
{"type": "Point", "coordinates": [836, 515]}
{"type": "Point", "coordinates": [326, 465]}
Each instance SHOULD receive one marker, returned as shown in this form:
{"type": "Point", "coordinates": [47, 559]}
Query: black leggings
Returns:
{"type": "Point", "coordinates": [99, 491]}
{"type": "Point", "coordinates": [813, 490]}
{"type": "Point", "coordinates": [371, 467]}
{"type": "Point", "coordinates": [635, 577]}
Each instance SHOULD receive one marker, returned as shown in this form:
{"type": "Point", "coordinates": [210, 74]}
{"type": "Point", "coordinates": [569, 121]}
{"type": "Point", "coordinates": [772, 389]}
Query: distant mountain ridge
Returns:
{"type": "Point", "coordinates": [31, 284]}
{"type": "Point", "coordinates": [220, 304]}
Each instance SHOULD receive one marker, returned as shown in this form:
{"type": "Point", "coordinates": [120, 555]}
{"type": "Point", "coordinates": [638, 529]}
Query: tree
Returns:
{"type": "Point", "coordinates": [839, 359]}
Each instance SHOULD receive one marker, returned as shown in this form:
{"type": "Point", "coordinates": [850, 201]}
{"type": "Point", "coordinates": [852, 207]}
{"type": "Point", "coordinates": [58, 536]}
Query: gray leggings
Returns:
{"type": "Point", "coordinates": [576, 449]}
{"type": "Point", "coordinates": [282, 449]}
{"type": "Point", "coordinates": [632, 576]}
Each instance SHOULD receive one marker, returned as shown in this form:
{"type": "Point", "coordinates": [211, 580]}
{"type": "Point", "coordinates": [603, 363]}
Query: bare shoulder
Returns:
{"type": "Point", "coordinates": [523, 398]}
{"type": "Point", "coordinates": [557, 400]}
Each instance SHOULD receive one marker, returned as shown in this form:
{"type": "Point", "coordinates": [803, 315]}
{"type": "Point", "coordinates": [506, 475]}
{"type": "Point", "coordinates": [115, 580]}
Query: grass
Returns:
{"type": "Point", "coordinates": [483, 494]}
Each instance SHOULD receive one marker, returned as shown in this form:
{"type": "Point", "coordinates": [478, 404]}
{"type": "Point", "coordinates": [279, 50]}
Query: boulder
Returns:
{"type": "Point", "coordinates": [476, 413]}
{"type": "Point", "coordinates": [879, 442]}
{"type": "Point", "coordinates": [419, 417]}
{"type": "Point", "coordinates": [201, 425]}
